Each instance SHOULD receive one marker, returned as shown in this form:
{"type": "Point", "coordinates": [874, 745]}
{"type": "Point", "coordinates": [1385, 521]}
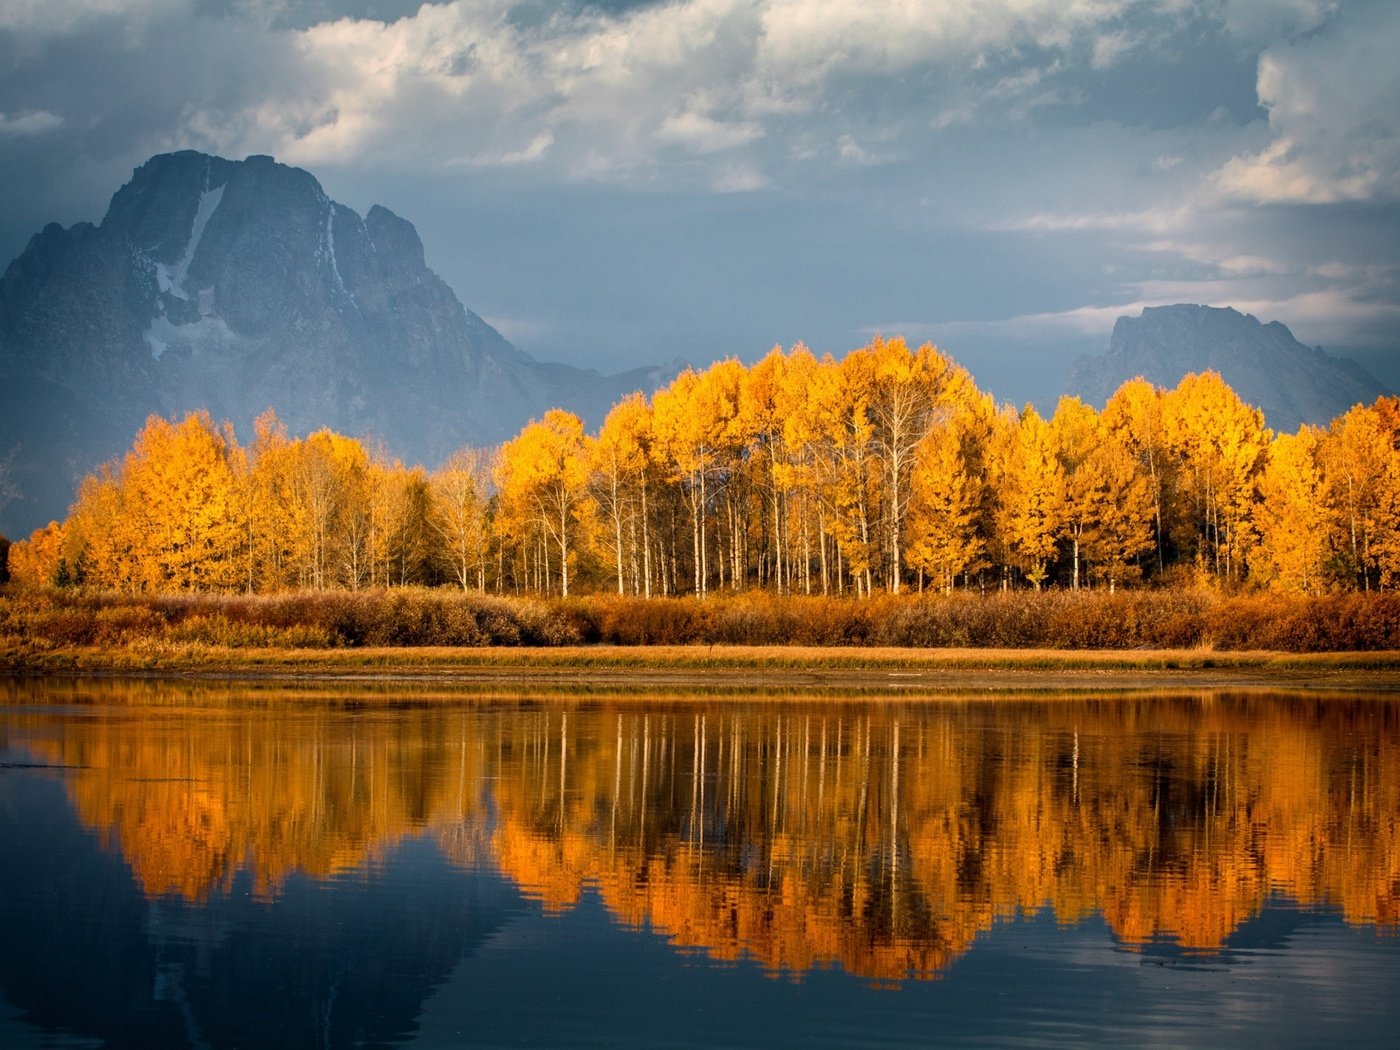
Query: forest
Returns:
{"type": "Point", "coordinates": [886, 471]}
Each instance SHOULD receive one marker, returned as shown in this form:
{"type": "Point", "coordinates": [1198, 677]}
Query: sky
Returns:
{"type": "Point", "coordinates": [622, 183]}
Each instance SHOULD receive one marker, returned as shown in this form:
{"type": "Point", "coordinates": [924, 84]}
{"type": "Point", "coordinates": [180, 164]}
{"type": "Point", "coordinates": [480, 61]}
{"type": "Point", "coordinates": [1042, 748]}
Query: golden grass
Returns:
{"type": "Point", "coordinates": [770, 668]}
{"type": "Point", "coordinates": [887, 642]}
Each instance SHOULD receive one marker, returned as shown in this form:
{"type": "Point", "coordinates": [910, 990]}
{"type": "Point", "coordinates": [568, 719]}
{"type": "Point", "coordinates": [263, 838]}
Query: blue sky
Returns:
{"type": "Point", "coordinates": [615, 184]}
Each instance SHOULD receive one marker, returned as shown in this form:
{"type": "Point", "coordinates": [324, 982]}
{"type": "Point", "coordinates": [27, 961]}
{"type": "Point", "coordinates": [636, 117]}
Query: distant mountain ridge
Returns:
{"type": "Point", "coordinates": [1264, 363]}
{"type": "Point", "coordinates": [234, 286]}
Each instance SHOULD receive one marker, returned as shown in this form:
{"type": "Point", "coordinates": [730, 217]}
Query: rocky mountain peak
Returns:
{"type": "Point", "coordinates": [1264, 363]}
{"type": "Point", "coordinates": [235, 286]}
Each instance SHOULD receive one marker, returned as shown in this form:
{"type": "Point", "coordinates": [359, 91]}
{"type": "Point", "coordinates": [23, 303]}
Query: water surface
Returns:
{"type": "Point", "coordinates": [252, 866]}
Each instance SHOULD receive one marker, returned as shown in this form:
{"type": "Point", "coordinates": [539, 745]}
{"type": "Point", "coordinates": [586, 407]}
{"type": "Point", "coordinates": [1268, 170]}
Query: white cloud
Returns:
{"type": "Point", "coordinates": [1111, 48]}
{"type": "Point", "coordinates": [1149, 220]}
{"type": "Point", "coordinates": [35, 122]}
{"type": "Point", "coordinates": [615, 94]}
{"type": "Point", "coordinates": [1081, 320]}
{"type": "Point", "coordinates": [738, 178]}
{"type": "Point", "coordinates": [810, 38]}
{"type": "Point", "coordinates": [531, 152]}
{"type": "Point", "coordinates": [702, 134]}
{"type": "Point", "coordinates": [850, 150]}
{"type": "Point", "coordinates": [1314, 316]}
{"type": "Point", "coordinates": [1332, 103]}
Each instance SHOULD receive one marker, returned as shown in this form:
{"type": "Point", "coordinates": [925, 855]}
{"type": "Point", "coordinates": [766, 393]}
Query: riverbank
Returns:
{"type": "Point", "coordinates": [1058, 620]}
{"type": "Point", "coordinates": [742, 668]}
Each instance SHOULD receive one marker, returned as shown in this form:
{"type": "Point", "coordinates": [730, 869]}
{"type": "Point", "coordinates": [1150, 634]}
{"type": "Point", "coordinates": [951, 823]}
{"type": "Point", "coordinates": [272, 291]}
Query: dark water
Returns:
{"type": "Point", "coordinates": [236, 866]}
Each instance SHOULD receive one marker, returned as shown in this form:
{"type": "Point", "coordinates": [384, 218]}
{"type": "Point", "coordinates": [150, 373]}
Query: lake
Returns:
{"type": "Point", "coordinates": [380, 864]}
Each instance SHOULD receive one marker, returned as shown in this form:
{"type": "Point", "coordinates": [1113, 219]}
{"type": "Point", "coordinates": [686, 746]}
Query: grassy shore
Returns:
{"type": "Point", "coordinates": [1057, 639]}
{"type": "Point", "coordinates": [744, 667]}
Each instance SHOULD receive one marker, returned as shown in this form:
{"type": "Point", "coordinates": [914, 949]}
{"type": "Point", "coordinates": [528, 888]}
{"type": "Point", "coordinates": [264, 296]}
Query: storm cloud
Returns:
{"type": "Point", "coordinates": [615, 184]}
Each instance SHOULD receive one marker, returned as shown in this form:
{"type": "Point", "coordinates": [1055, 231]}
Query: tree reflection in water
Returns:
{"type": "Point", "coordinates": [880, 837]}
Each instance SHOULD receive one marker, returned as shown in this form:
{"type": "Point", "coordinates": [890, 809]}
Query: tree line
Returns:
{"type": "Point", "coordinates": [887, 470]}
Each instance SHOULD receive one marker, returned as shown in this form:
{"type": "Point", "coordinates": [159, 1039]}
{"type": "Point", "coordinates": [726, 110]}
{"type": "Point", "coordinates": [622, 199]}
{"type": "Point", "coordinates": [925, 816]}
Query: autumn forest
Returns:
{"type": "Point", "coordinates": [885, 471]}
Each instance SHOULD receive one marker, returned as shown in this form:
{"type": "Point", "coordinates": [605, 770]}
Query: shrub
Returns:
{"type": "Point", "coordinates": [1156, 618]}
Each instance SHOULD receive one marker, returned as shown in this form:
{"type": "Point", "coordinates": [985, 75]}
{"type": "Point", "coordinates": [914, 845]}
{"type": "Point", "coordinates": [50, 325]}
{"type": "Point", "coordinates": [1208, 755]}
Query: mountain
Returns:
{"type": "Point", "coordinates": [235, 286]}
{"type": "Point", "coordinates": [1264, 364]}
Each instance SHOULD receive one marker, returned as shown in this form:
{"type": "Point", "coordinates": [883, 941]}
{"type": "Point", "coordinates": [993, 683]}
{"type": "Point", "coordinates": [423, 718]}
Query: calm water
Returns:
{"type": "Point", "coordinates": [234, 866]}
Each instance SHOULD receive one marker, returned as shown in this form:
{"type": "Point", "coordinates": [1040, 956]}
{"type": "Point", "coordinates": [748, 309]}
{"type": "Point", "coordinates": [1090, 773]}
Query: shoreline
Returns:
{"type": "Point", "coordinates": [751, 669]}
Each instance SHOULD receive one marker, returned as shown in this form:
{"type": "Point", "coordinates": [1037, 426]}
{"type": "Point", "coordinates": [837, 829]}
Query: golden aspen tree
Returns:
{"type": "Point", "coordinates": [1291, 516]}
{"type": "Point", "coordinates": [313, 497]}
{"type": "Point", "coordinates": [796, 475]}
{"type": "Point", "coordinates": [271, 528]}
{"type": "Point", "coordinates": [1219, 443]}
{"type": "Point", "coordinates": [851, 474]}
{"type": "Point", "coordinates": [1123, 509]}
{"type": "Point", "coordinates": [1108, 507]}
{"type": "Point", "coordinates": [1354, 453]}
{"type": "Point", "coordinates": [1385, 544]}
{"type": "Point", "coordinates": [696, 432]}
{"type": "Point", "coordinates": [720, 392]}
{"type": "Point", "coordinates": [386, 508]}
{"type": "Point", "coordinates": [460, 504]}
{"type": "Point", "coordinates": [618, 461]}
{"type": "Point", "coordinates": [34, 562]}
{"type": "Point", "coordinates": [543, 473]}
{"type": "Point", "coordinates": [352, 520]}
{"type": "Point", "coordinates": [761, 399]}
{"type": "Point", "coordinates": [97, 536]}
{"type": "Point", "coordinates": [410, 548]}
{"type": "Point", "coordinates": [1134, 415]}
{"type": "Point", "coordinates": [180, 493]}
{"type": "Point", "coordinates": [1031, 497]}
{"type": "Point", "coordinates": [1076, 430]}
{"type": "Point", "coordinates": [910, 392]}
{"type": "Point", "coordinates": [945, 499]}
{"type": "Point", "coordinates": [682, 439]}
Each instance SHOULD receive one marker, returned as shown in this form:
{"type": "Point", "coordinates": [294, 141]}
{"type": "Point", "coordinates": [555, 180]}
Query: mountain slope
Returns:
{"type": "Point", "coordinates": [235, 286]}
{"type": "Point", "coordinates": [1265, 365]}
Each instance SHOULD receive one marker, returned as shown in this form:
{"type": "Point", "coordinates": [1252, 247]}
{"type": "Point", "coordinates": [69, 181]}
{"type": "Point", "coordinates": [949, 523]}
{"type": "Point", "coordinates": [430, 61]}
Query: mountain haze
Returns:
{"type": "Point", "coordinates": [235, 286]}
{"type": "Point", "coordinates": [1266, 366]}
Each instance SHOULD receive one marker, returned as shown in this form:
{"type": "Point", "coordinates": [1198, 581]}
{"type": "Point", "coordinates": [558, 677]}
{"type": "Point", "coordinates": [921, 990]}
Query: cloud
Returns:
{"type": "Point", "coordinates": [821, 161]}
{"type": "Point", "coordinates": [1079, 320]}
{"type": "Point", "coordinates": [35, 122]}
{"type": "Point", "coordinates": [1307, 313]}
{"type": "Point", "coordinates": [1111, 48]}
{"type": "Point", "coordinates": [1149, 220]}
{"type": "Point", "coordinates": [737, 178]}
{"type": "Point", "coordinates": [1331, 99]}
{"type": "Point", "coordinates": [702, 134]}
{"type": "Point", "coordinates": [633, 95]}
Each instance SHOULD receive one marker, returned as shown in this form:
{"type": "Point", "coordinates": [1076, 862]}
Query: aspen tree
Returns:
{"type": "Point", "coordinates": [944, 506]}
{"type": "Point", "coordinates": [619, 464]}
{"type": "Point", "coordinates": [1134, 415]}
{"type": "Point", "coordinates": [179, 498]}
{"type": "Point", "coordinates": [1076, 432]}
{"type": "Point", "coordinates": [1355, 452]}
{"type": "Point", "coordinates": [1219, 443]}
{"type": "Point", "coordinates": [459, 508]}
{"type": "Point", "coordinates": [1291, 515]}
{"type": "Point", "coordinates": [543, 476]}
{"type": "Point", "coordinates": [1031, 497]}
